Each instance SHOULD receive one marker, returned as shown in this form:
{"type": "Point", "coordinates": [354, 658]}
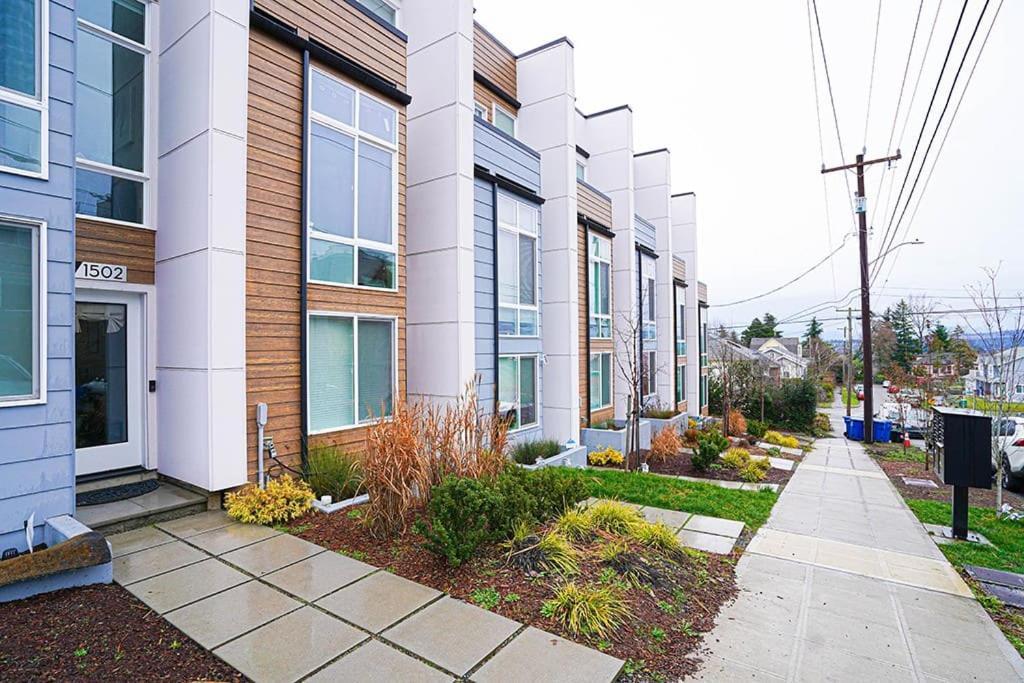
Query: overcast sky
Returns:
{"type": "Point", "coordinates": [727, 86]}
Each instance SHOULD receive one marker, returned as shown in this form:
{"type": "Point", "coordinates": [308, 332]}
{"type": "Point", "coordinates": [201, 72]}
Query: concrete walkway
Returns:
{"type": "Point", "coordinates": [844, 584]}
{"type": "Point", "coordinates": [279, 608]}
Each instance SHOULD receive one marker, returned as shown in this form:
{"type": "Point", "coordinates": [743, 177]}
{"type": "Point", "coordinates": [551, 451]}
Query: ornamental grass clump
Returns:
{"type": "Point", "coordinates": [749, 468]}
{"type": "Point", "coordinates": [665, 445]}
{"type": "Point", "coordinates": [282, 500]}
{"type": "Point", "coordinates": [657, 535]}
{"type": "Point", "coordinates": [334, 472]}
{"type": "Point", "coordinates": [575, 525]}
{"type": "Point", "coordinates": [614, 517]}
{"type": "Point", "coordinates": [777, 439]}
{"type": "Point", "coordinates": [529, 452]}
{"type": "Point", "coordinates": [587, 610]}
{"type": "Point", "coordinates": [631, 567]}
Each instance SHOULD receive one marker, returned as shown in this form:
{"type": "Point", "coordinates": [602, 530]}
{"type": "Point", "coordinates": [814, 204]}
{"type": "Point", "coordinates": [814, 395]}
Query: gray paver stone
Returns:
{"type": "Point", "coordinates": [188, 584]}
{"type": "Point", "coordinates": [709, 543]}
{"type": "Point", "coordinates": [226, 539]}
{"type": "Point", "coordinates": [379, 600]}
{"type": "Point", "coordinates": [215, 620]}
{"type": "Point", "coordinates": [452, 634]}
{"type": "Point", "coordinates": [375, 661]}
{"type": "Point", "coordinates": [536, 655]}
{"type": "Point", "coordinates": [136, 540]}
{"type": "Point", "coordinates": [670, 518]}
{"type": "Point", "coordinates": [715, 525]}
{"type": "Point", "coordinates": [185, 527]}
{"type": "Point", "coordinates": [291, 647]}
{"type": "Point", "coordinates": [315, 577]}
{"type": "Point", "coordinates": [152, 561]}
{"type": "Point", "coordinates": [272, 554]}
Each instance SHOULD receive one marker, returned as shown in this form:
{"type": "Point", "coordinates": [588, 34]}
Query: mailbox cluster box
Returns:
{"type": "Point", "coordinates": [963, 442]}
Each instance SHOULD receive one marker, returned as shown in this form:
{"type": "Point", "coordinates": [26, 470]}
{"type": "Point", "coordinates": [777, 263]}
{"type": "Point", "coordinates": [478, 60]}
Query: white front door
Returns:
{"type": "Point", "coordinates": [109, 350]}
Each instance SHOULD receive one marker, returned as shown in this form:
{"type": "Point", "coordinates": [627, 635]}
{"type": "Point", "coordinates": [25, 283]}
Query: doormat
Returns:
{"type": "Point", "coordinates": [115, 493]}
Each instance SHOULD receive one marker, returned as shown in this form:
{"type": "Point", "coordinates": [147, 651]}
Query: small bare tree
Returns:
{"type": "Point", "coordinates": [1001, 331]}
{"type": "Point", "coordinates": [922, 317]}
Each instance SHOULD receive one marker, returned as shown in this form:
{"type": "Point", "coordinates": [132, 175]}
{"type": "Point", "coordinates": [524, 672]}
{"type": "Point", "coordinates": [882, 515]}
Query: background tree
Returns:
{"type": "Point", "coordinates": [965, 354]}
{"type": "Point", "coordinates": [814, 330]}
{"type": "Point", "coordinates": [908, 344]}
{"type": "Point", "coordinates": [884, 340]}
{"type": "Point", "coordinates": [920, 311]}
{"type": "Point", "coordinates": [938, 340]}
{"type": "Point", "coordinates": [759, 329]}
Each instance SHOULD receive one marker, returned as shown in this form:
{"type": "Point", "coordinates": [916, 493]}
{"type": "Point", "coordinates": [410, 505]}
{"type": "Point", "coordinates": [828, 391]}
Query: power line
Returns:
{"type": "Point", "coordinates": [942, 311]}
{"type": "Point", "coordinates": [945, 136]}
{"type": "Point", "coordinates": [871, 80]}
{"type": "Point", "coordinates": [924, 123]}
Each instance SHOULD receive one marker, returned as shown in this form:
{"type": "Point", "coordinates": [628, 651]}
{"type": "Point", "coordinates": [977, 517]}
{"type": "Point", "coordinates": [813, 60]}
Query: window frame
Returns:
{"type": "Point", "coordinates": [495, 108]}
{"type": "Point", "coordinates": [147, 175]}
{"type": "Point", "coordinates": [535, 236]}
{"type": "Point", "coordinates": [41, 103]}
{"type": "Point", "coordinates": [648, 299]}
{"type": "Point", "coordinates": [680, 327]}
{"type": "Point", "coordinates": [581, 165]}
{"type": "Point", "coordinates": [479, 111]}
{"type": "Point", "coordinates": [39, 312]}
{"type": "Point", "coordinates": [595, 262]}
{"type": "Point", "coordinates": [680, 383]}
{"type": "Point", "coordinates": [359, 137]}
{"type": "Point", "coordinates": [651, 374]}
{"type": "Point", "coordinates": [397, 23]}
{"type": "Point", "coordinates": [355, 318]}
{"type": "Point", "coordinates": [518, 357]}
{"type": "Point", "coordinates": [590, 372]}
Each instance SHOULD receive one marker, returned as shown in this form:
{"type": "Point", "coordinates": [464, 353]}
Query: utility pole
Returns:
{"type": "Point", "coordinates": [865, 287]}
{"type": "Point", "coordinates": [849, 358]}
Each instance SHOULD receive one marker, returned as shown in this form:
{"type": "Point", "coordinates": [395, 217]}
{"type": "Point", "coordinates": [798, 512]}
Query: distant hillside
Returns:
{"type": "Point", "coordinates": [989, 342]}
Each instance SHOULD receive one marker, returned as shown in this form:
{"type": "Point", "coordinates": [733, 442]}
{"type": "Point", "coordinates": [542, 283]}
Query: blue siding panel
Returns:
{"type": "Point", "coordinates": [646, 234]}
{"type": "Point", "coordinates": [37, 450]}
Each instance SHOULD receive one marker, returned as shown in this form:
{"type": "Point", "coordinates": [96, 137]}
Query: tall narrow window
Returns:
{"type": "Point", "coordinates": [600, 380]}
{"type": "Point", "coordinates": [649, 370]}
{"type": "Point", "coordinates": [517, 390]}
{"type": "Point", "coordinates": [351, 373]}
{"type": "Point", "coordinates": [680, 323]}
{"type": "Point", "coordinates": [600, 287]}
{"type": "Point", "coordinates": [680, 383]}
{"type": "Point", "coordinates": [110, 110]}
{"type": "Point", "coordinates": [23, 86]}
{"type": "Point", "coordinates": [647, 299]}
{"type": "Point", "coordinates": [21, 315]}
{"type": "Point", "coordinates": [517, 268]}
{"type": "Point", "coordinates": [353, 187]}
{"type": "Point", "coordinates": [504, 121]}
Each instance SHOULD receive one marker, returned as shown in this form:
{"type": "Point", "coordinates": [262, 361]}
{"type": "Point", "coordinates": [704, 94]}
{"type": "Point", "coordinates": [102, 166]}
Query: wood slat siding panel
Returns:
{"type": "Point", "coordinates": [488, 98]}
{"type": "Point", "coordinates": [346, 30]}
{"type": "Point", "coordinates": [593, 205]}
{"type": "Point", "coordinates": [599, 416]}
{"type": "Point", "coordinates": [120, 245]}
{"type": "Point", "coordinates": [493, 61]}
{"type": "Point", "coordinates": [678, 269]}
{"type": "Point", "coordinates": [273, 255]}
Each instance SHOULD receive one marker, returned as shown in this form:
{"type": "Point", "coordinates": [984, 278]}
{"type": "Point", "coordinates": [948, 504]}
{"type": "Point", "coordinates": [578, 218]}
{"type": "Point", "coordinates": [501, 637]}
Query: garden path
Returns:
{"type": "Point", "coordinates": [843, 583]}
{"type": "Point", "coordinates": [278, 608]}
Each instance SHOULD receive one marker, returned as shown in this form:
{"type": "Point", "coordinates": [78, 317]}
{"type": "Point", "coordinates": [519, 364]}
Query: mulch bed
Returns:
{"type": "Point", "coordinates": [660, 638]}
{"type": "Point", "coordinates": [981, 498]}
{"type": "Point", "coordinates": [682, 465]}
{"type": "Point", "coordinates": [98, 633]}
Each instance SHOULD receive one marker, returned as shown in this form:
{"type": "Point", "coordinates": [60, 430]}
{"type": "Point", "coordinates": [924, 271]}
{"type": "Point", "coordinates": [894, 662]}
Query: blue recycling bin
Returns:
{"type": "Point", "coordinates": [881, 429]}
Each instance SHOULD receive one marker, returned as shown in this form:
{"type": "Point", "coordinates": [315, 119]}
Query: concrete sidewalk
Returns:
{"type": "Point", "coordinates": [843, 583]}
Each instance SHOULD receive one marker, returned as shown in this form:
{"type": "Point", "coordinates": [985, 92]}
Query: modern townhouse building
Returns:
{"type": "Point", "coordinates": [692, 302]}
{"type": "Point", "coordinates": [203, 210]}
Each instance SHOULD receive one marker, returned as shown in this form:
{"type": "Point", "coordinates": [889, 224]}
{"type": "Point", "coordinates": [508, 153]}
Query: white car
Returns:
{"type": "Point", "coordinates": [1011, 437]}
{"type": "Point", "coordinates": [886, 384]}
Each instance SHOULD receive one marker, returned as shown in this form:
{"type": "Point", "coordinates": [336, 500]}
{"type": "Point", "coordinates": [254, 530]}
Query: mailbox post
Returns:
{"type": "Point", "coordinates": [962, 445]}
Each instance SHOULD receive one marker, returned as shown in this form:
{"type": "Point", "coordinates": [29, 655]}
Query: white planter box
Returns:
{"type": "Point", "coordinates": [341, 504]}
{"type": "Point", "coordinates": [599, 439]}
{"type": "Point", "coordinates": [679, 423]}
{"type": "Point", "coordinates": [576, 457]}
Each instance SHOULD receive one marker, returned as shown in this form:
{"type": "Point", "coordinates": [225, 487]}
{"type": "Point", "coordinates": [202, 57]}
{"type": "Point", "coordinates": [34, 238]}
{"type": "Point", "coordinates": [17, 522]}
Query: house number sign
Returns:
{"type": "Point", "coordinates": [102, 271]}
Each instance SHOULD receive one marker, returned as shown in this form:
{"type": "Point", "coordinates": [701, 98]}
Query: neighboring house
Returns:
{"type": "Point", "coordinates": [724, 351]}
{"type": "Point", "coordinates": [785, 352]}
{"type": "Point", "coordinates": [998, 375]}
{"type": "Point", "coordinates": [939, 365]}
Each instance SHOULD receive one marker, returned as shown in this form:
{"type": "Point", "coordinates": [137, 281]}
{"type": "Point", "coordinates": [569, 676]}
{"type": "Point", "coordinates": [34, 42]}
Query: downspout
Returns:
{"type": "Point", "coordinates": [304, 270]}
{"type": "Point", "coordinates": [494, 242]}
{"type": "Point", "coordinates": [640, 329]}
{"type": "Point", "coordinates": [675, 344]}
{"type": "Point", "coordinates": [586, 321]}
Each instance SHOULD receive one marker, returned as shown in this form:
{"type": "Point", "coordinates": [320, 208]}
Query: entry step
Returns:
{"type": "Point", "coordinates": [166, 502]}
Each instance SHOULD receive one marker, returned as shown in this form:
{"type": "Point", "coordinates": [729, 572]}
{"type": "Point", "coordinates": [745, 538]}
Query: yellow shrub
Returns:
{"type": "Point", "coordinates": [605, 457]}
{"type": "Point", "coordinates": [282, 500]}
{"type": "Point", "coordinates": [777, 439]}
{"type": "Point", "coordinates": [749, 469]}
{"type": "Point", "coordinates": [736, 458]}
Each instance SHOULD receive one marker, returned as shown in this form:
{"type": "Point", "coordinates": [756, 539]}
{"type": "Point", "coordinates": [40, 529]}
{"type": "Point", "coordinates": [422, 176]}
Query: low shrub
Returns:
{"type": "Point", "coordinates": [553, 492]}
{"type": "Point", "coordinates": [460, 513]}
{"type": "Point", "coordinates": [822, 425]}
{"type": "Point", "coordinates": [659, 412]}
{"type": "Point", "coordinates": [605, 457]}
{"type": "Point", "coordinates": [777, 439]}
{"type": "Point", "coordinates": [529, 452]}
{"type": "Point", "coordinates": [609, 425]}
{"type": "Point", "coordinates": [334, 472]}
{"type": "Point", "coordinates": [735, 458]}
{"type": "Point", "coordinates": [691, 423]}
{"type": "Point", "coordinates": [756, 428]}
{"type": "Point", "coordinates": [690, 436]}
{"type": "Point", "coordinates": [665, 445]}
{"type": "Point", "coordinates": [281, 501]}
{"type": "Point", "coordinates": [737, 423]}
{"type": "Point", "coordinates": [709, 446]}
{"type": "Point", "coordinates": [749, 469]}
{"type": "Point", "coordinates": [587, 610]}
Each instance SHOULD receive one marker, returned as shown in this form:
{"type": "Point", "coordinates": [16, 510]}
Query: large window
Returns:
{"type": "Point", "coordinates": [517, 390]}
{"type": "Point", "coordinates": [22, 317]}
{"type": "Point", "coordinates": [504, 120]}
{"type": "Point", "coordinates": [353, 187]}
{"type": "Point", "coordinates": [600, 380]}
{"type": "Point", "coordinates": [517, 268]}
{"type": "Point", "coordinates": [600, 287]}
{"type": "Point", "coordinates": [352, 371]}
{"type": "Point", "coordinates": [647, 302]}
{"type": "Point", "coordinates": [110, 110]}
{"type": "Point", "coordinates": [23, 86]}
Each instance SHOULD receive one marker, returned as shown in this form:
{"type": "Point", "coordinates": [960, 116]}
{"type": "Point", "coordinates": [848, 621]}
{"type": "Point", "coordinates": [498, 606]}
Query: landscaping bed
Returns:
{"type": "Point", "coordinates": [99, 632]}
{"type": "Point", "coordinates": [682, 465]}
{"type": "Point", "coordinates": [666, 616]}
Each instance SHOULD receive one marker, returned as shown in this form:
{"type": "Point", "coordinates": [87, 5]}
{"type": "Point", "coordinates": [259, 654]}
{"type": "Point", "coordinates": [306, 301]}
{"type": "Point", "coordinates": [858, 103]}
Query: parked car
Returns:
{"type": "Point", "coordinates": [859, 388]}
{"type": "Point", "coordinates": [893, 389]}
{"type": "Point", "coordinates": [886, 384]}
{"type": "Point", "coordinates": [860, 395]}
{"type": "Point", "coordinates": [1011, 438]}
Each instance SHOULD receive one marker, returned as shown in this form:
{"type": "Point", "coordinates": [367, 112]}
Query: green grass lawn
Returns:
{"type": "Point", "coordinates": [985, 405]}
{"type": "Point", "coordinates": [750, 507]}
{"type": "Point", "coordinates": [854, 401]}
{"type": "Point", "coordinates": [1007, 536]}
{"type": "Point", "coordinates": [896, 452]}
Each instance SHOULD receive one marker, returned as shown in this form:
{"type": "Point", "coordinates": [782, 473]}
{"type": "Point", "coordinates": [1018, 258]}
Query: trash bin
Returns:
{"type": "Point", "coordinates": [854, 428]}
{"type": "Point", "coordinates": [881, 430]}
